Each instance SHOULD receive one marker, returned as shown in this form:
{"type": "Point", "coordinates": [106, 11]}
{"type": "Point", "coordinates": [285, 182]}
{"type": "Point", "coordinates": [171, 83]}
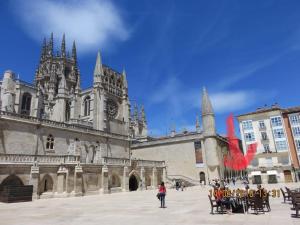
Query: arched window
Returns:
{"type": "Point", "coordinates": [87, 102]}
{"type": "Point", "coordinates": [50, 142]}
{"type": "Point", "coordinates": [68, 111]}
{"type": "Point", "coordinates": [26, 103]}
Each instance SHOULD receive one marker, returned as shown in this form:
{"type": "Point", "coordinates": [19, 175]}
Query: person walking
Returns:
{"type": "Point", "coordinates": [162, 194]}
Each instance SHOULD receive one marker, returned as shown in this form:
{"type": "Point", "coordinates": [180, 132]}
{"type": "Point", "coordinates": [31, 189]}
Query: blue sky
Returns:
{"type": "Point", "coordinates": [246, 53]}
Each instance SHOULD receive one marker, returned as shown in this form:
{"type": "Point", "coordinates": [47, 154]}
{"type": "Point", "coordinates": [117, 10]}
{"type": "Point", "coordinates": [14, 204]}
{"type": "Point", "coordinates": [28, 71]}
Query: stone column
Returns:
{"type": "Point", "coordinates": [164, 175]}
{"type": "Point", "coordinates": [34, 180]}
{"type": "Point", "coordinates": [154, 178]}
{"type": "Point", "coordinates": [105, 180]}
{"type": "Point", "coordinates": [78, 180]}
{"type": "Point", "coordinates": [61, 180]}
{"type": "Point", "coordinates": [125, 185]}
{"type": "Point", "coordinates": [142, 185]}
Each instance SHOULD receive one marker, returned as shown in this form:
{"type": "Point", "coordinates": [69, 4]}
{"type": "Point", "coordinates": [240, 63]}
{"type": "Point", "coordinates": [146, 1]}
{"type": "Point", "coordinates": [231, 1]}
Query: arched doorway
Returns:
{"type": "Point", "coordinates": [133, 183]}
{"type": "Point", "coordinates": [12, 180]}
{"type": "Point", "coordinates": [46, 184]}
{"type": "Point", "coordinates": [202, 178]}
{"type": "Point", "coordinates": [115, 181]}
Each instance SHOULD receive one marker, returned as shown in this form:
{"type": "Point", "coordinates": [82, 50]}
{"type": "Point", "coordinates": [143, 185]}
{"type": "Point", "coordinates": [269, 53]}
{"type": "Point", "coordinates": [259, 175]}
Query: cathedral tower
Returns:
{"type": "Point", "coordinates": [209, 134]}
{"type": "Point", "coordinates": [57, 79]}
{"type": "Point", "coordinates": [99, 96]}
{"type": "Point", "coordinates": [111, 101]}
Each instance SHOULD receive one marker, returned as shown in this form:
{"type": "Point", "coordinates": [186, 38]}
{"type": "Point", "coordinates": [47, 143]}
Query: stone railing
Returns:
{"type": "Point", "coordinates": [40, 159]}
{"type": "Point", "coordinates": [19, 116]}
{"type": "Point", "coordinates": [116, 161]}
{"type": "Point", "coordinates": [47, 122]}
{"type": "Point", "coordinates": [189, 180]}
{"type": "Point", "coordinates": [81, 122]}
{"type": "Point", "coordinates": [12, 158]}
{"type": "Point", "coordinates": [150, 163]}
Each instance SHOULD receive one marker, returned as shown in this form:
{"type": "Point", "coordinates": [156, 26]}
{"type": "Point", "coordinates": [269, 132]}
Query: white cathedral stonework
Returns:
{"type": "Point", "coordinates": [68, 141]}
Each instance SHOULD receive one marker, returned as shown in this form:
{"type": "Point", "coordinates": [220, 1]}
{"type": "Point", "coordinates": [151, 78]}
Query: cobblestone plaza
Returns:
{"type": "Point", "coordinates": [140, 207]}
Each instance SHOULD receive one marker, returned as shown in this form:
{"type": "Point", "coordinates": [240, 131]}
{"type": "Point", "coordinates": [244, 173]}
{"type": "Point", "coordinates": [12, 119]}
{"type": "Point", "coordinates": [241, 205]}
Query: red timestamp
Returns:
{"type": "Point", "coordinates": [263, 193]}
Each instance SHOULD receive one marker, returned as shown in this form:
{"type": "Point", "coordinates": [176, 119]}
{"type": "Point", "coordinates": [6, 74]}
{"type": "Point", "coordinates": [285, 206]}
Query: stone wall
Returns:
{"type": "Point", "coordinates": [22, 137]}
{"type": "Point", "coordinates": [179, 157]}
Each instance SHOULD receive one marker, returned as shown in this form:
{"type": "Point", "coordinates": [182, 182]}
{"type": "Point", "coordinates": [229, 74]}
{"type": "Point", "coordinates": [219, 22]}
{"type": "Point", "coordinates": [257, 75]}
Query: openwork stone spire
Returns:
{"type": "Point", "coordinates": [63, 46]}
{"type": "Point", "coordinates": [74, 52]}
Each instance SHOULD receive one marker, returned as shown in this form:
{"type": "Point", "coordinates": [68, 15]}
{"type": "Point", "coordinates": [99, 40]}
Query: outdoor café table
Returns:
{"type": "Point", "coordinates": [240, 200]}
{"type": "Point", "coordinates": [296, 190]}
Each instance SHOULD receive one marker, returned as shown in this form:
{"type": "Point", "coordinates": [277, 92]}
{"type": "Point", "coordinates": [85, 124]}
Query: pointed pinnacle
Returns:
{"type": "Point", "coordinates": [125, 84]}
{"type": "Point", "coordinates": [98, 71]}
{"type": "Point", "coordinates": [206, 103]}
{"type": "Point", "coordinates": [63, 46]}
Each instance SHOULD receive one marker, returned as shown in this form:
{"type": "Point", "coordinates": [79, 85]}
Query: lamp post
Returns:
{"type": "Point", "coordinates": [294, 171]}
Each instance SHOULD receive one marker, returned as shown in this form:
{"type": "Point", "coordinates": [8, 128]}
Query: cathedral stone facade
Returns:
{"type": "Point", "coordinates": [69, 141]}
{"type": "Point", "coordinates": [65, 140]}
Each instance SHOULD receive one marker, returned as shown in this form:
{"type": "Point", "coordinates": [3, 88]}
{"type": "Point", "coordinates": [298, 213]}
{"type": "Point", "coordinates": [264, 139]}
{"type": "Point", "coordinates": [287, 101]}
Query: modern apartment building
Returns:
{"type": "Point", "coordinates": [277, 134]}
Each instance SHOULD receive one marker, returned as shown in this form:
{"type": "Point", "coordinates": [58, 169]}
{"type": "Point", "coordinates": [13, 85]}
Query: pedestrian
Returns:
{"type": "Point", "coordinates": [177, 185]}
{"type": "Point", "coordinates": [182, 185]}
{"type": "Point", "coordinates": [162, 194]}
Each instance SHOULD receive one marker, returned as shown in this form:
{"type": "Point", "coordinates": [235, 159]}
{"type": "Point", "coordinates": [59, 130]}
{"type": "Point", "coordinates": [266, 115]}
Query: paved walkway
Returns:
{"type": "Point", "coordinates": [137, 208]}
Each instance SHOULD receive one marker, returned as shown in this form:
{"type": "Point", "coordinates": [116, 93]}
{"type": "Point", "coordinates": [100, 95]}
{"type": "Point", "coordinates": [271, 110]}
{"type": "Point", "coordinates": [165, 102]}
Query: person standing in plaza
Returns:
{"type": "Point", "coordinates": [182, 185]}
{"type": "Point", "coordinates": [162, 194]}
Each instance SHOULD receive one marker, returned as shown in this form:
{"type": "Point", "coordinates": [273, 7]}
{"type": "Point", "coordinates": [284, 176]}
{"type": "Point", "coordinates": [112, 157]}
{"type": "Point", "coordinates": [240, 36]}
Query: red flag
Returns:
{"type": "Point", "coordinates": [235, 158]}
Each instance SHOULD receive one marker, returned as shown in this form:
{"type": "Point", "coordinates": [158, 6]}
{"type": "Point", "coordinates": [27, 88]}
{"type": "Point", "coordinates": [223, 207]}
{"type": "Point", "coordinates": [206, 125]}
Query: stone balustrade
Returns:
{"type": "Point", "coordinates": [40, 159]}
{"type": "Point", "coordinates": [82, 123]}
{"type": "Point", "coordinates": [150, 163]}
{"type": "Point", "coordinates": [12, 158]}
{"type": "Point", "coordinates": [115, 161]}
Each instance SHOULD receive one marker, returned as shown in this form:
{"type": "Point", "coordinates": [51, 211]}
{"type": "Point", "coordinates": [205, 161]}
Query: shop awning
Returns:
{"type": "Point", "coordinates": [272, 172]}
{"type": "Point", "coordinates": [255, 173]}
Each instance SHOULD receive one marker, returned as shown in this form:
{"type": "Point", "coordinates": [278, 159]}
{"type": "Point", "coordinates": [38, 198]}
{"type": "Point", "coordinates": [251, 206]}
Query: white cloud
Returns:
{"type": "Point", "coordinates": [176, 97]}
{"type": "Point", "coordinates": [232, 101]}
{"type": "Point", "coordinates": [92, 24]}
{"type": "Point", "coordinates": [180, 99]}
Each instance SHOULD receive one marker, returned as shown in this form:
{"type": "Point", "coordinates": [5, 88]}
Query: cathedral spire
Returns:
{"type": "Point", "coordinates": [50, 46]}
{"type": "Point", "coordinates": [125, 84]}
{"type": "Point", "coordinates": [208, 117]}
{"type": "Point", "coordinates": [74, 53]}
{"type": "Point", "coordinates": [207, 108]}
{"type": "Point", "coordinates": [135, 113]}
{"type": "Point", "coordinates": [44, 49]}
{"type": "Point", "coordinates": [98, 71]}
{"type": "Point", "coordinates": [143, 114]}
{"type": "Point", "coordinates": [63, 47]}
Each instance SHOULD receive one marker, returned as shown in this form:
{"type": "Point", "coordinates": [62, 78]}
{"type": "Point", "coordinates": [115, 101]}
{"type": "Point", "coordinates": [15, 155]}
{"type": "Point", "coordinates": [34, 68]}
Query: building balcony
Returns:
{"type": "Point", "coordinates": [264, 140]}
{"type": "Point", "coordinates": [262, 128]}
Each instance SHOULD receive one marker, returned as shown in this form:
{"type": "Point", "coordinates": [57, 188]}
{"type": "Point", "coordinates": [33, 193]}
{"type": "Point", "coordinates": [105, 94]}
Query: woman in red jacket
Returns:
{"type": "Point", "coordinates": [162, 194]}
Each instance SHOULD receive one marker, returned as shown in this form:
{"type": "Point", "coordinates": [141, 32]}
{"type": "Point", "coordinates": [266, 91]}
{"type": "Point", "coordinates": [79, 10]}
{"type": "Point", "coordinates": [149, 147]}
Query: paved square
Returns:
{"type": "Point", "coordinates": [137, 208]}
